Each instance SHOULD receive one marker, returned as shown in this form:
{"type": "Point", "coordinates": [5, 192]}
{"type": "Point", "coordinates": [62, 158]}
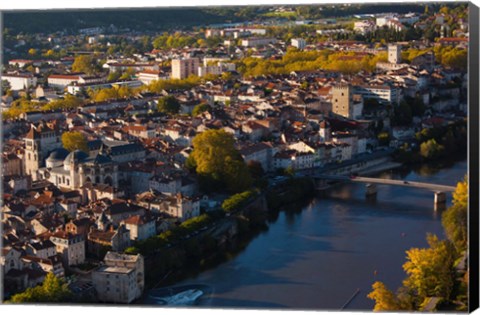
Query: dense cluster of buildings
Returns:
{"type": "Point", "coordinates": [64, 210]}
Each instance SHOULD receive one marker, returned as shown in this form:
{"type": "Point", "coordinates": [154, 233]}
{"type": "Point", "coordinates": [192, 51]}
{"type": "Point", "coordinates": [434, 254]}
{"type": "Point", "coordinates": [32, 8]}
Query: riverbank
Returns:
{"type": "Point", "coordinates": [304, 260]}
{"type": "Point", "coordinates": [227, 237]}
{"type": "Point", "coordinates": [233, 234]}
{"type": "Point", "coordinates": [207, 247]}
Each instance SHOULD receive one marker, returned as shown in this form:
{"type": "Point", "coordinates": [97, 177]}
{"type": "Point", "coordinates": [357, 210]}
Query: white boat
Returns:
{"type": "Point", "coordinates": [183, 298]}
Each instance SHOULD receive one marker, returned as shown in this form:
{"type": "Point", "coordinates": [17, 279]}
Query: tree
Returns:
{"type": "Point", "coordinates": [113, 76]}
{"type": "Point", "coordinates": [236, 174]}
{"type": "Point", "coordinates": [170, 84]}
{"type": "Point", "coordinates": [430, 149]}
{"type": "Point", "coordinates": [385, 300]}
{"type": "Point", "coordinates": [32, 52]}
{"type": "Point", "coordinates": [226, 76]}
{"type": "Point", "coordinates": [256, 169]}
{"type": "Point", "coordinates": [5, 86]}
{"type": "Point", "coordinates": [383, 138]}
{"type": "Point", "coordinates": [217, 162]}
{"type": "Point", "coordinates": [200, 108]}
{"type": "Point", "coordinates": [460, 195]}
{"type": "Point", "coordinates": [84, 63]}
{"type": "Point", "coordinates": [124, 91]}
{"type": "Point", "coordinates": [53, 290]}
{"type": "Point", "coordinates": [127, 75]}
{"type": "Point", "coordinates": [403, 114]}
{"type": "Point", "coordinates": [74, 140]}
{"type": "Point", "coordinates": [455, 219]}
{"type": "Point", "coordinates": [289, 171]}
{"type": "Point", "coordinates": [168, 104]}
{"type": "Point", "coordinates": [418, 106]}
{"type": "Point", "coordinates": [237, 201]}
{"type": "Point", "coordinates": [49, 53]}
{"type": "Point", "coordinates": [430, 270]}
{"type": "Point", "coordinates": [70, 101]}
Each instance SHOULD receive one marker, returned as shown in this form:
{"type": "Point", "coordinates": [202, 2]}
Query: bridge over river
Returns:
{"type": "Point", "coordinates": [321, 181]}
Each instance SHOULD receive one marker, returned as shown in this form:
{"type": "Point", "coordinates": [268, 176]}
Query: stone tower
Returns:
{"type": "Point", "coordinates": [394, 54]}
{"type": "Point", "coordinates": [39, 142]}
{"type": "Point", "coordinates": [342, 100]}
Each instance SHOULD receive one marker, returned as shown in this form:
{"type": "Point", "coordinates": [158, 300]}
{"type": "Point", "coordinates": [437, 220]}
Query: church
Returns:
{"type": "Point", "coordinates": [75, 169]}
{"type": "Point", "coordinates": [46, 159]}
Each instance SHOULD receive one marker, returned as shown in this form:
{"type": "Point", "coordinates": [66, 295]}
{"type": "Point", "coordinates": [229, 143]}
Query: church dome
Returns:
{"type": "Point", "coordinates": [56, 158]}
{"type": "Point", "coordinates": [57, 155]}
{"type": "Point", "coordinates": [75, 157]}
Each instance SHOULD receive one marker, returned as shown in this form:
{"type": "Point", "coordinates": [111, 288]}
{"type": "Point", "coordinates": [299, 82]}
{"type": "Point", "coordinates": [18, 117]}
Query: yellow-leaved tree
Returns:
{"type": "Point", "coordinates": [218, 163]}
{"type": "Point", "coordinates": [430, 271]}
{"type": "Point", "coordinates": [455, 219]}
{"type": "Point", "coordinates": [385, 300]}
{"type": "Point", "coordinates": [74, 140]}
{"type": "Point", "coordinates": [53, 290]}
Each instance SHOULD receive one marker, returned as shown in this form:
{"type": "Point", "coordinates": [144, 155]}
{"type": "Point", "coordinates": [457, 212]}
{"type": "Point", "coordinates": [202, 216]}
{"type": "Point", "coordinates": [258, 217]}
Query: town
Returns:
{"type": "Point", "coordinates": [120, 146]}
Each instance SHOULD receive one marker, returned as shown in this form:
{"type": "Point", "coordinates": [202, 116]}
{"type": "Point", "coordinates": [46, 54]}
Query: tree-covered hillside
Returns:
{"type": "Point", "coordinates": [154, 19]}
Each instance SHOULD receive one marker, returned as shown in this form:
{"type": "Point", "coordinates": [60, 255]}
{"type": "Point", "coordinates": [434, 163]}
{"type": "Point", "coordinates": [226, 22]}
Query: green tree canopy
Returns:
{"type": "Point", "coordinates": [170, 84]}
{"type": "Point", "coordinates": [200, 108]}
{"type": "Point", "coordinates": [53, 290]}
{"type": "Point", "coordinates": [237, 201]}
{"type": "Point", "coordinates": [5, 86]}
{"type": "Point", "coordinates": [218, 163]}
{"type": "Point", "coordinates": [168, 104]}
{"type": "Point", "coordinates": [113, 93]}
{"type": "Point", "coordinates": [256, 169]}
{"type": "Point", "coordinates": [70, 101]}
{"type": "Point", "coordinates": [177, 40]}
{"type": "Point", "coordinates": [84, 63]}
{"type": "Point", "coordinates": [114, 76]}
{"type": "Point", "coordinates": [74, 140]}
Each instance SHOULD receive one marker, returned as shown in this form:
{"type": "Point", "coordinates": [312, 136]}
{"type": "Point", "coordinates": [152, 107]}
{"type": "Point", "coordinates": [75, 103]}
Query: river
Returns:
{"type": "Point", "coordinates": [319, 256]}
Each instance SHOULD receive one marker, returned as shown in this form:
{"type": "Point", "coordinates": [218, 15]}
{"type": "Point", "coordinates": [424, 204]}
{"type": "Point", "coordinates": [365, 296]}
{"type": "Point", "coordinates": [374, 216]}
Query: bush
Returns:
{"type": "Point", "coordinates": [237, 201]}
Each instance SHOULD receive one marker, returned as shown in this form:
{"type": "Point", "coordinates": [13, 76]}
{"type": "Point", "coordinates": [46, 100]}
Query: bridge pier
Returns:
{"type": "Point", "coordinates": [440, 199]}
{"type": "Point", "coordinates": [371, 191]}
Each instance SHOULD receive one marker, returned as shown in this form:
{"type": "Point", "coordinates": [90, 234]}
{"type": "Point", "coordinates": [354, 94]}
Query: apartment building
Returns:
{"type": "Point", "coordinates": [20, 81]}
{"type": "Point", "coordinates": [182, 68]}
